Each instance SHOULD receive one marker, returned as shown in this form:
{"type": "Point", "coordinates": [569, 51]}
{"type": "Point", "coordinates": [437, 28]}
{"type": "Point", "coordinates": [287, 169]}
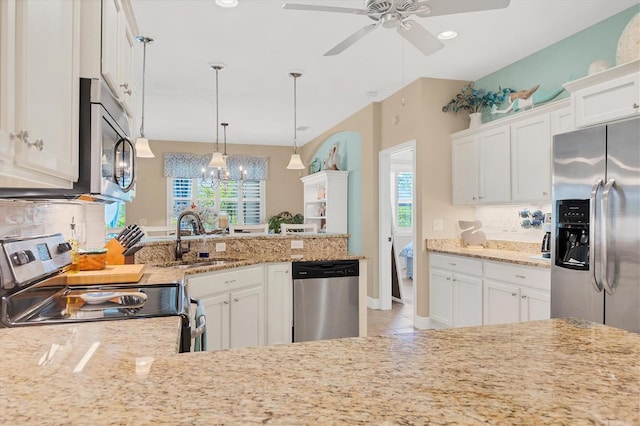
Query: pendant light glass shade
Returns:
{"type": "Point", "coordinates": [143, 150]}
{"type": "Point", "coordinates": [295, 163]}
{"type": "Point", "coordinates": [217, 159]}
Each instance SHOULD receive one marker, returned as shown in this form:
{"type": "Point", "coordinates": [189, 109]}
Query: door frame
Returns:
{"type": "Point", "coordinates": [385, 231]}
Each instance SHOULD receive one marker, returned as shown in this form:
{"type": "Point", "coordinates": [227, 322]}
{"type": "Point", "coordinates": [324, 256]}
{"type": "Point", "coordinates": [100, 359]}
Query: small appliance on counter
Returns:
{"type": "Point", "coordinates": [35, 289]}
{"type": "Point", "coordinates": [545, 248]}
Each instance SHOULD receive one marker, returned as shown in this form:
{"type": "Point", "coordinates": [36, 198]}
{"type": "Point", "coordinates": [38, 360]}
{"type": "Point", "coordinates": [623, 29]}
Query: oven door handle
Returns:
{"type": "Point", "coordinates": [201, 321]}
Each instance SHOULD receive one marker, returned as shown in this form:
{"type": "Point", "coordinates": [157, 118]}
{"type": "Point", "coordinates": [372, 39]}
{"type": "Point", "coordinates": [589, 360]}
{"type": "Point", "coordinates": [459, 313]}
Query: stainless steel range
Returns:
{"type": "Point", "coordinates": [34, 291]}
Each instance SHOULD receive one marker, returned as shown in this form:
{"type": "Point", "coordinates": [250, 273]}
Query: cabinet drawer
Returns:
{"type": "Point", "coordinates": [216, 282]}
{"type": "Point", "coordinates": [520, 275]}
{"type": "Point", "coordinates": [463, 265]}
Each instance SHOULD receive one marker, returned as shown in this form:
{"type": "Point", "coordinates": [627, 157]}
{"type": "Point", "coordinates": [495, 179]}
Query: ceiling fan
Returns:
{"type": "Point", "coordinates": [394, 14]}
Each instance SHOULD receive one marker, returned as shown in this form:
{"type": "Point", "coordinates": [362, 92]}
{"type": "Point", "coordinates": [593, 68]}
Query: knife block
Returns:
{"type": "Point", "coordinates": [114, 252]}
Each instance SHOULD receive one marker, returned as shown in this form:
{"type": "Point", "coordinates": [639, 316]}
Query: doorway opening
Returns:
{"type": "Point", "coordinates": [397, 230]}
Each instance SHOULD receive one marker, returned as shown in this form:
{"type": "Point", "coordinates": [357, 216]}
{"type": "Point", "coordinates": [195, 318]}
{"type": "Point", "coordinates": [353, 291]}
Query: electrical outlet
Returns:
{"type": "Point", "coordinates": [438, 225]}
{"type": "Point", "coordinates": [297, 244]}
{"type": "Point", "coordinates": [221, 246]}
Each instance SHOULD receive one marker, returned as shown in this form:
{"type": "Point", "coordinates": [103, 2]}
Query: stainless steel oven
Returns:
{"type": "Point", "coordinates": [107, 156]}
{"type": "Point", "coordinates": [34, 291]}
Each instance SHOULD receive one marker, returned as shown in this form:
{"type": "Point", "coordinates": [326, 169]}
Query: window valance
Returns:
{"type": "Point", "coordinates": [185, 165]}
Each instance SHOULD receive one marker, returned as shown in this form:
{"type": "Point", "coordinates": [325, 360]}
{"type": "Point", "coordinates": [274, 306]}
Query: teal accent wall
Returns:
{"type": "Point", "coordinates": [349, 149]}
{"type": "Point", "coordinates": [566, 60]}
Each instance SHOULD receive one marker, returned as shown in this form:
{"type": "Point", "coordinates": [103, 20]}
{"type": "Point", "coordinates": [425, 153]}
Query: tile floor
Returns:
{"type": "Point", "coordinates": [398, 320]}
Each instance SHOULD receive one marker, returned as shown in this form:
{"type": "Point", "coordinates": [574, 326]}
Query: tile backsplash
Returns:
{"type": "Point", "coordinates": [21, 218]}
{"type": "Point", "coordinates": [505, 222]}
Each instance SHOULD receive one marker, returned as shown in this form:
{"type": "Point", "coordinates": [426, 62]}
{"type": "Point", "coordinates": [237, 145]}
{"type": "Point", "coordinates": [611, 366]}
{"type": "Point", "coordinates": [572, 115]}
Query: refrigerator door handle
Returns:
{"type": "Point", "coordinates": [597, 285]}
{"type": "Point", "coordinates": [605, 225]}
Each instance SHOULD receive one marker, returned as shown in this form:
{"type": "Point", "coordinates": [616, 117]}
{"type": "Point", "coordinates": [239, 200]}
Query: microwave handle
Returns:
{"type": "Point", "coordinates": [132, 147]}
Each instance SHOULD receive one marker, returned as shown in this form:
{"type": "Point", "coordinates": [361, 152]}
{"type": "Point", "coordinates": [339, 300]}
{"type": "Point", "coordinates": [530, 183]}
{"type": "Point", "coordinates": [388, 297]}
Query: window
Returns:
{"type": "Point", "coordinates": [244, 204]}
{"type": "Point", "coordinates": [402, 195]}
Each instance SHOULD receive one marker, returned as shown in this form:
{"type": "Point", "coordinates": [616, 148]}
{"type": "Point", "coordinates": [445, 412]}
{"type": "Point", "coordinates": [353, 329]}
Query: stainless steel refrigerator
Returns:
{"type": "Point", "coordinates": [595, 270]}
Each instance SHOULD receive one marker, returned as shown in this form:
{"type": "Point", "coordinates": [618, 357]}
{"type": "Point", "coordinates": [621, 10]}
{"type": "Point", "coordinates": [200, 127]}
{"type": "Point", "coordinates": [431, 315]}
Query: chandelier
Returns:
{"type": "Point", "coordinates": [220, 176]}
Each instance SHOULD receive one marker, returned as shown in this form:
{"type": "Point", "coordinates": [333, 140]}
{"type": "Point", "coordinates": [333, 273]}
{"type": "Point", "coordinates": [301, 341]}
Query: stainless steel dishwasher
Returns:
{"type": "Point", "coordinates": [325, 300]}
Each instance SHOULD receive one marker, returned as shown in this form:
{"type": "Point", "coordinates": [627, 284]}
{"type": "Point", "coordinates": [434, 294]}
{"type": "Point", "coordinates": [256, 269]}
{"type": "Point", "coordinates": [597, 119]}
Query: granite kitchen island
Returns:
{"type": "Point", "coordinates": [541, 372]}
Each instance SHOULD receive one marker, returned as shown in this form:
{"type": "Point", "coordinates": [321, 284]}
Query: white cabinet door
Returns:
{"type": "Point", "coordinates": [247, 317]}
{"type": "Point", "coordinates": [216, 310]}
{"type": "Point", "coordinates": [464, 169]}
{"type": "Point", "coordinates": [125, 63]}
{"type": "Point", "coordinates": [279, 303]}
{"type": "Point", "coordinates": [494, 166]}
{"type": "Point", "coordinates": [531, 159]}
{"type": "Point", "coordinates": [109, 58]}
{"type": "Point", "coordinates": [611, 100]}
{"type": "Point", "coordinates": [534, 305]}
{"type": "Point", "coordinates": [562, 121]}
{"type": "Point", "coordinates": [40, 62]}
{"type": "Point", "coordinates": [441, 296]}
{"type": "Point", "coordinates": [467, 301]}
{"type": "Point", "coordinates": [501, 303]}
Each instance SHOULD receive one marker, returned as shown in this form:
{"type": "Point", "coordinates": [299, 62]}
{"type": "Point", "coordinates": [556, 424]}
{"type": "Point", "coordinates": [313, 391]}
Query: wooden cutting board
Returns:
{"type": "Point", "coordinates": [111, 274]}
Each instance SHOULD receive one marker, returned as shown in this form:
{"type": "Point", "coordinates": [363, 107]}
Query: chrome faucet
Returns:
{"type": "Point", "coordinates": [197, 229]}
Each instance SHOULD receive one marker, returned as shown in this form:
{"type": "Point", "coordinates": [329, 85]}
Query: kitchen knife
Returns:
{"type": "Point", "coordinates": [125, 232]}
{"type": "Point", "coordinates": [135, 239]}
{"type": "Point", "coordinates": [127, 241]}
{"type": "Point", "coordinates": [122, 233]}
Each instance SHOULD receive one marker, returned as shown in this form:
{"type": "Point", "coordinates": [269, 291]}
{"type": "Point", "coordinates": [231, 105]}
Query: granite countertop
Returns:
{"type": "Point", "coordinates": [542, 372]}
{"type": "Point", "coordinates": [526, 254]}
{"type": "Point", "coordinates": [166, 272]}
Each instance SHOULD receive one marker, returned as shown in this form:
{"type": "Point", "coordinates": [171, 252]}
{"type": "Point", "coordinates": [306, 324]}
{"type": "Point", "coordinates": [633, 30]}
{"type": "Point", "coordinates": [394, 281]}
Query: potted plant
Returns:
{"type": "Point", "coordinates": [474, 101]}
{"type": "Point", "coordinates": [284, 217]}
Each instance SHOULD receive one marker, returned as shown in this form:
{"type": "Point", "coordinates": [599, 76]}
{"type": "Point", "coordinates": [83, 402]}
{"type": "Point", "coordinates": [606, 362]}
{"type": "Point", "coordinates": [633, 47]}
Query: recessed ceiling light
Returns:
{"type": "Point", "coordinates": [227, 3]}
{"type": "Point", "coordinates": [447, 35]}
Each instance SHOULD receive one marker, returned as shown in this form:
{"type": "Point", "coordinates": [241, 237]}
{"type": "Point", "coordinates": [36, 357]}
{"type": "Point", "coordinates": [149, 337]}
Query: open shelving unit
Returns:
{"type": "Point", "coordinates": [325, 200]}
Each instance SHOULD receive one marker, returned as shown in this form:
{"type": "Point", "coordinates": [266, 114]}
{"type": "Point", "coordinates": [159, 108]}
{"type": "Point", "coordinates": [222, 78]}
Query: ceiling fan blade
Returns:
{"type": "Point", "coordinates": [449, 7]}
{"type": "Point", "coordinates": [315, 8]}
{"type": "Point", "coordinates": [352, 39]}
{"type": "Point", "coordinates": [422, 39]}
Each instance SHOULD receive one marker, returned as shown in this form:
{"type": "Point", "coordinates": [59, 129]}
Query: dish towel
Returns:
{"type": "Point", "coordinates": [200, 342]}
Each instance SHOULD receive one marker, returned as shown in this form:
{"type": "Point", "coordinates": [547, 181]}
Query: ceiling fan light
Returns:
{"type": "Point", "coordinates": [143, 150]}
{"type": "Point", "coordinates": [217, 160]}
{"type": "Point", "coordinates": [295, 163]}
{"type": "Point", "coordinates": [227, 3]}
{"type": "Point", "coordinates": [447, 35]}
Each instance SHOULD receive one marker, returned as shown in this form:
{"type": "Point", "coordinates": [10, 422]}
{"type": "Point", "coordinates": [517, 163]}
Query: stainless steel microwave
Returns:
{"type": "Point", "coordinates": [107, 156]}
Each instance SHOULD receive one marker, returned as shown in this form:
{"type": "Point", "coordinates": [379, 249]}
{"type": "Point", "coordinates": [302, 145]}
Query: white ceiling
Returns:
{"type": "Point", "coordinates": [260, 43]}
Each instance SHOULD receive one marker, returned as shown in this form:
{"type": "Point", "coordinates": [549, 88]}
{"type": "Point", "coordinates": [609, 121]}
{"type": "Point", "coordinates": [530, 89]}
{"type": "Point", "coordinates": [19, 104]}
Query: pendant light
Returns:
{"type": "Point", "coordinates": [143, 150]}
{"type": "Point", "coordinates": [217, 160]}
{"type": "Point", "coordinates": [295, 163]}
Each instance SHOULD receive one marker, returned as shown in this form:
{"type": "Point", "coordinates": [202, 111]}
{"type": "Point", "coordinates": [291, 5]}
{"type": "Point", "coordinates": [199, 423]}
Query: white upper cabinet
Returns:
{"type": "Point", "coordinates": [609, 95]}
{"type": "Point", "coordinates": [39, 84]}
{"type": "Point", "coordinates": [481, 167]}
{"type": "Point", "coordinates": [117, 51]}
{"type": "Point", "coordinates": [531, 159]}
{"type": "Point", "coordinates": [508, 160]}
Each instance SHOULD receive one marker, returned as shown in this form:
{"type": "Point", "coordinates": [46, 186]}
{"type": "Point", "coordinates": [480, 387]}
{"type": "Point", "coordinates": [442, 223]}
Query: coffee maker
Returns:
{"type": "Point", "coordinates": [545, 247]}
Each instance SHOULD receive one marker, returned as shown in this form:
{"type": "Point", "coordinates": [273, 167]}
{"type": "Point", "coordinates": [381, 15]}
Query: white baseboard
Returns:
{"type": "Point", "coordinates": [373, 303]}
{"type": "Point", "coordinates": [426, 323]}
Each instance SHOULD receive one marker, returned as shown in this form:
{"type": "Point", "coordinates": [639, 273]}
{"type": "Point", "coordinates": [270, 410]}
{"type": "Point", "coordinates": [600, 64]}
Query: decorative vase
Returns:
{"type": "Point", "coordinates": [475, 119]}
{"type": "Point", "coordinates": [629, 42]}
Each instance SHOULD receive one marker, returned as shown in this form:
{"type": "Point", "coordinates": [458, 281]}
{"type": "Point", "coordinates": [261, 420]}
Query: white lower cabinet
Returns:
{"type": "Point", "coordinates": [514, 293]}
{"type": "Point", "coordinates": [455, 290]}
{"type": "Point", "coordinates": [234, 306]}
{"type": "Point", "coordinates": [279, 303]}
{"type": "Point", "coordinates": [469, 292]}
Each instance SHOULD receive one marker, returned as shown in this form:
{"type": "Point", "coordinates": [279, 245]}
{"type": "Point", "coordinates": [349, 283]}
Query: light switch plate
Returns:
{"type": "Point", "coordinates": [221, 246]}
{"type": "Point", "coordinates": [297, 244]}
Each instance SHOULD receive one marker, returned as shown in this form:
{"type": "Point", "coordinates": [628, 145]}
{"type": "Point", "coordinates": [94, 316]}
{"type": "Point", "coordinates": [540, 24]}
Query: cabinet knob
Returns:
{"type": "Point", "coordinates": [545, 193]}
{"type": "Point", "coordinates": [127, 92]}
{"type": "Point", "coordinates": [635, 105]}
{"type": "Point", "coordinates": [521, 276]}
{"type": "Point", "coordinates": [523, 296]}
{"type": "Point", "coordinates": [226, 302]}
{"type": "Point", "coordinates": [236, 300]}
{"type": "Point", "coordinates": [473, 198]}
{"type": "Point", "coordinates": [125, 85]}
{"type": "Point", "coordinates": [514, 294]}
{"type": "Point", "coordinates": [448, 278]}
{"type": "Point", "coordinates": [455, 280]}
{"type": "Point", "coordinates": [23, 135]}
{"type": "Point", "coordinates": [480, 198]}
